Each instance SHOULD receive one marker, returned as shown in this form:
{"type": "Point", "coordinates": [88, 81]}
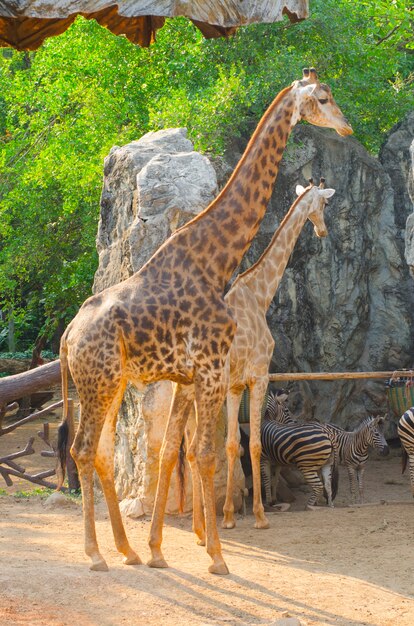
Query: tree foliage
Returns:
{"type": "Point", "coordinates": [63, 107]}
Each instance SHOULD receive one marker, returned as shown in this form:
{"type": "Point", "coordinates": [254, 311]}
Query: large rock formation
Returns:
{"type": "Point", "coordinates": [151, 187]}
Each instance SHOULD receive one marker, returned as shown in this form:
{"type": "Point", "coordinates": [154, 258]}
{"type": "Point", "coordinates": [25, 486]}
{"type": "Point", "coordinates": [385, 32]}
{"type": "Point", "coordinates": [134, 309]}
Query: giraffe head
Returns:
{"type": "Point", "coordinates": [315, 200]}
{"type": "Point", "coordinates": [315, 104]}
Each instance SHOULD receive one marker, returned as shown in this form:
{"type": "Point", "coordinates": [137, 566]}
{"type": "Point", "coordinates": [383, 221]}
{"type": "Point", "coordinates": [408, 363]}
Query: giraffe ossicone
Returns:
{"type": "Point", "coordinates": [170, 321]}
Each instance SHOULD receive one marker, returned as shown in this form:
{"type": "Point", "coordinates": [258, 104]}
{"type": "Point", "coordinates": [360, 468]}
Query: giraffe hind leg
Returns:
{"type": "Point", "coordinates": [199, 524]}
{"type": "Point", "coordinates": [181, 404]}
{"type": "Point", "coordinates": [104, 465]}
{"type": "Point", "coordinates": [257, 395]}
{"type": "Point", "coordinates": [232, 452]}
{"type": "Point", "coordinates": [83, 451]}
{"type": "Point", "coordinates": [209, 400]}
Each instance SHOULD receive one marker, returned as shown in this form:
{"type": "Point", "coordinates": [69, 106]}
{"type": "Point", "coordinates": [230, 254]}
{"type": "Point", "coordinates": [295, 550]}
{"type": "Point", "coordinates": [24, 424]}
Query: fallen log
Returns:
{"type": "Point", "coordinates": [19, 385]}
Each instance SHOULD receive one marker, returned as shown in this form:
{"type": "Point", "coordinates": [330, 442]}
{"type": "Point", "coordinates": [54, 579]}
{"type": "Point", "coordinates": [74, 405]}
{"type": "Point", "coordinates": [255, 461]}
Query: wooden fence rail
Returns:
{"type": "Point", "coordinates": [339, 375]}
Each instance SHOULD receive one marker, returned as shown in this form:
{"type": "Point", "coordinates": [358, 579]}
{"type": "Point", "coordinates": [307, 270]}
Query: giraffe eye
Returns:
{"type": "Point", "coordinates": [323, 100]}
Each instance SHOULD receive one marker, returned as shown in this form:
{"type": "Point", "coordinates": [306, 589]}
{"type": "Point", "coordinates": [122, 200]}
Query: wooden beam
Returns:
{"type": "Point", "coordinates": [339, 375]}
{"type": "Point", "coordinates": [20, 385]}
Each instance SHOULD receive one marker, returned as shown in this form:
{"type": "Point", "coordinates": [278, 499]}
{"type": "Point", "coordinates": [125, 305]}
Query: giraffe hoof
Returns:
{"type": "Point", "coordinates": [228, 523]}
{"type": "Point", "coordinates": [157, 563]}
{"type": "Point", "coordinates": [201, 542]}
{"type": "Point", "coordinates": [99, 566]}
{"type": "Point", "coordinates": [219, 568]}
{"type": "Point", "coordinates": [262, 524]}
{"type": "Point", "coordinates": [132, 559]}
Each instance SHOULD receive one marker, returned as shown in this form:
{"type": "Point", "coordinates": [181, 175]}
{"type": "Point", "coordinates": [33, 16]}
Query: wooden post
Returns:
{"type": "Point", "coordinates": [71, 469]}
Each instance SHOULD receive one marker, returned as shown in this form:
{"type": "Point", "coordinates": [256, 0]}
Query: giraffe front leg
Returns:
{"type": "Point", "coordinates": [209, 400]}
{"type": "Point", "coordinates": [181, 404]}
{"type": "Point", "coordinates": [232, 451]}
{"type": "Point", "coordinates": [104, 465]}
{"type": "Point", "coordinates": [257, 395]}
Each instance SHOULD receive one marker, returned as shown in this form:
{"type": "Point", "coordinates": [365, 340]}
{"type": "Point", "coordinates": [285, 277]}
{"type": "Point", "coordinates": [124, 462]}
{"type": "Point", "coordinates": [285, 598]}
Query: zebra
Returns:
{"type": "Point", "coordinates": [406, 434]}
{"type": "Point", "coordinates": [277, 408]}
{"type": "Point", "coordinates": [308, 446]}
{"type": "Point", "coordinates": [353, 449]}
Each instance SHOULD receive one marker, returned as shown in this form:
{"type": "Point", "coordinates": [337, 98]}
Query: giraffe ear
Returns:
{"type": "Point", "coordinates": [326, 193]}
{"type": "Point", "coordinates": [299, 190]}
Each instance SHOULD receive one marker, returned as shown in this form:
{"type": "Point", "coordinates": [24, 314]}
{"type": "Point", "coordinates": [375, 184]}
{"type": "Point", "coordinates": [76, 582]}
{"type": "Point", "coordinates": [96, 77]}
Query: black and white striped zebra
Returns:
{"type": "Point", "coordinates": [277, 408]}
{"type": "Point", "coordinates": [353, 449]}
{"type": "Point", "coordinates": [307, 446]}
{"type": "Point", "coordinates": [406, 434]}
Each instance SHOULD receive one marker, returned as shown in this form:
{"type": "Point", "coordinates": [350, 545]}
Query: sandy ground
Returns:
{"type": "Point", "coordinates": [349, 566]}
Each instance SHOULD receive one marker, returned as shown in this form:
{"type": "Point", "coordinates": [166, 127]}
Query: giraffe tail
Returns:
{"type": "Point", "coordinates": [404, 459]}
{"type": "Point", "coordinates": [181, 476]}
{"type": "Point", "coordinates": [63, 430]}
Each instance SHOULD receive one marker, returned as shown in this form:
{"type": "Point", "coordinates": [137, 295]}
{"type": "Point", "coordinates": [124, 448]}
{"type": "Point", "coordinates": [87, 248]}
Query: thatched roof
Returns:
{"type": "Point", "coordinates": [25, 24]}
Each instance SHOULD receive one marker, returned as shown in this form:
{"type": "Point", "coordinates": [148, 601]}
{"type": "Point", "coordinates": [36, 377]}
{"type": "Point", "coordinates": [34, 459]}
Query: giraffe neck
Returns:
{"type": "Point", "coordinates": [219, 236]}
{"type": "Point", "coordinates": [264, 276]}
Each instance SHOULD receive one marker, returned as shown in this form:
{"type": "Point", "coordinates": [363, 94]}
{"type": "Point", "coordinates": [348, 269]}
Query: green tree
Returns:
{"type": "Point", "coordinates": [63, 108]}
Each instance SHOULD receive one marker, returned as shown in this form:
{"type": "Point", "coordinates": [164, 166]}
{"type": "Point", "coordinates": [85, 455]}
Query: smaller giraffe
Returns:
{"type": "Point", "coordinates": [252, 348]}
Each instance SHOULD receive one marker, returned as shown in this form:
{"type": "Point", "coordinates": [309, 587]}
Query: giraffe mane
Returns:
{"type": "Point", "coordinates": [252, 140]}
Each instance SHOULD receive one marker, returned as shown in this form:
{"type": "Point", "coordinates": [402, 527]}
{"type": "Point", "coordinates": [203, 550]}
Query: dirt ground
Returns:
{"type": "Point", "coordinates": [349, 566]}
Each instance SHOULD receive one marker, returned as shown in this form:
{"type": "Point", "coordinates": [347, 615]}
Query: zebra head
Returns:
{"type": "Point", "coordinates": [277, 409]}
{"type": "Point", "coordinates": [375, 438]}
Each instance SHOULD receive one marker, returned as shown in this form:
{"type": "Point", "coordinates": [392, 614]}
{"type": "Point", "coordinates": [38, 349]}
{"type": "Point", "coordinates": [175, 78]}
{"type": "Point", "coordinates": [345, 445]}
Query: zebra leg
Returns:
{"type": "Point", "coordinates": [326, 472]}
{"type": "Point", "coordinates": [311, 476]}
{"type": "Point", "coordinates": [360, 478]}
{"type": "Point", "coordinates": [266, 474]}
{"type": "Point", "coordinates": [411, 465]}
{"type": "Point", "coordinates": [275, 481]}
{"type": "Point", "coordinates": [352, 482]}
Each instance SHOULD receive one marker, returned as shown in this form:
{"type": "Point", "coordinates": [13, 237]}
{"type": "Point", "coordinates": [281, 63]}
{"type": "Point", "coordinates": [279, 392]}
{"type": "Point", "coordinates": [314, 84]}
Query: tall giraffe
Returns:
{"type": "Point", "coordinates": [170, 321]}
{"type": "Point", "coordinates": [251, 351]}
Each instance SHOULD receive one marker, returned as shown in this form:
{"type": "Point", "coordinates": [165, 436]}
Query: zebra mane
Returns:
{"type": "Point", "coordinates": [366, 423]}
{"type": "Point", "coordinates": [271, 406]}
